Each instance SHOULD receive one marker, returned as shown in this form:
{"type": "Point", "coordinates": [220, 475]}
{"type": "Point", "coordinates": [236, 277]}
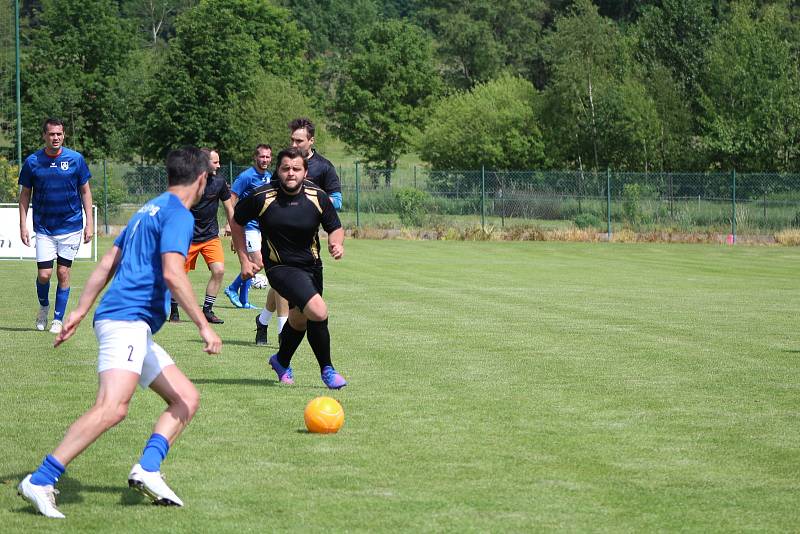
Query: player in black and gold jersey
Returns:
{"type": "Point", "coordinates": [290, 211]}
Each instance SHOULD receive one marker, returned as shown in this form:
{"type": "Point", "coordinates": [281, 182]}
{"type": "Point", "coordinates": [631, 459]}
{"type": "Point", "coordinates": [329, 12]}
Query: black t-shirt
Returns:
{"type": "Point", "coordinates": [205, 211]}
{"type": "Point", "coordinates": [322, 173]}
{"type": "Point", "coordinates": [289, 223]}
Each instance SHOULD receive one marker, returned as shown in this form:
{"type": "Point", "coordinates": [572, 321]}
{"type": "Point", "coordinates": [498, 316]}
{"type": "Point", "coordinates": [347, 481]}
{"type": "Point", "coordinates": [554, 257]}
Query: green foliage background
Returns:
{"type": "Point", "coordinates": [666, 85]}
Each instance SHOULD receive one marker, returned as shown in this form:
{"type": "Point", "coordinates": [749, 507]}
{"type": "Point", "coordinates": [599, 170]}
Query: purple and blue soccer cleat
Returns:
{"type": "Point", "coordinates": [284, 373]}
{"type": "Point", "coordinates": [332, 379]}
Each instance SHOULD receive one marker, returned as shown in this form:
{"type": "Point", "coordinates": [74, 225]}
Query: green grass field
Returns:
{"type": "Point", "coordinates": [494, 386]}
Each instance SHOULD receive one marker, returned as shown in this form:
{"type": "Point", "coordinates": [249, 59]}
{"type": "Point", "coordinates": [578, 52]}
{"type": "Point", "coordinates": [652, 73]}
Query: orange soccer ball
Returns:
{"type": "Point", "coordinates": [324, 415]}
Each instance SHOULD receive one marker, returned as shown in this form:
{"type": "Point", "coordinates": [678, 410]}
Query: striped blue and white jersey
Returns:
{"type": "Point", "coordinates": [56, 183]}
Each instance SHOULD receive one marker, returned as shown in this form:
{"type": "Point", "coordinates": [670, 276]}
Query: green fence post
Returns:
{"type": "Point", "coordinates": [415, 176]}
{"type": "Point", "coordinates": [358, 200]}
{"type": "Point", "coordinates": [608, 200]}
{"type": "Point", "coordinates": [105, 197]}
{"type": "Point", "coordinates": [733, 202]}
{"type": "Point", "coordinates": [230, 172]}
{"type": "Point", "coordinates": [483, 198]}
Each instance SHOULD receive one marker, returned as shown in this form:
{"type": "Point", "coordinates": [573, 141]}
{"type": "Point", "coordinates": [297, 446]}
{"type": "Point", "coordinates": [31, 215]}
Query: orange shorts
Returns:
{"type": "Point", "coordinates": [211, 250]}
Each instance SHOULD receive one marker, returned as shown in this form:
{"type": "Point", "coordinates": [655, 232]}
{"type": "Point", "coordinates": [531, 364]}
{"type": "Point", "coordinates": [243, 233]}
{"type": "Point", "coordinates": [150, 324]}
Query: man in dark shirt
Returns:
{"type": "Point", "coordinates": [205, 239]}
{"type": "Point", "coordinates": [290, 211]}
{"type": "Point", "coordinates": [322, 173]}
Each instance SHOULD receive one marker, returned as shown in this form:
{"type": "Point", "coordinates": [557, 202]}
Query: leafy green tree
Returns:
{"type": "Point", "coordinates": [332, 23]}
{"type": "Point", "coordinates": [220, 53]}
{"type": "Point", "coordinates": [673, 146]}
{"type": "Point", "coordinates": [388, 82]}
{"type": "Point", "coordinates": [265, 117]}
{"type": "Point", "coordinates": [71, 60]}
{"type": "Point", "coordinates": [493, 126]}
{"type": "Point", "coordinates": [675, 34]}
{"type": "Point", "coordinates": [478, 39]}
{"type": "Point", "coordinates": [128, 104]}
{"type": "Point", "coordinates": [397, 9]}
{"type": "Point", "coordinates": [155, 19]}
{"type": "Point", "coordinates": [596, 111]}
{"type": "Point", "coordinates": [751, 93]}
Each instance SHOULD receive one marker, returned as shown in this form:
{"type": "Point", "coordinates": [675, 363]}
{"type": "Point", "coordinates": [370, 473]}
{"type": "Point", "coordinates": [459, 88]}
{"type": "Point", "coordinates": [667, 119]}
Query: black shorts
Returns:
{"type": "Point", "coordinates": [296, 284]}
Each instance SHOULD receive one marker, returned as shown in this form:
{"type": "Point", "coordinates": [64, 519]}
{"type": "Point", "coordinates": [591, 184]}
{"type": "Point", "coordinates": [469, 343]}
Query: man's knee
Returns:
{"type": "Point", "coordinates": [112, 414]}
{"type": "Point", "coordinates": [316, 309]}
{"type": "Point", "coordinates": [217, 270]}
{"type": "Point", "coordinates": [62, 272]}
{"type": "Point", "coordinates": [44, 275]}
{"type": "Point", "coordinates": [189, 399]}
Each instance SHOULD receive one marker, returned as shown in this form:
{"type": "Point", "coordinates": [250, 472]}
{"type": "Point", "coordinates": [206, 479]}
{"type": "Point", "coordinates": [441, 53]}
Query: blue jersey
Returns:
{"type": "Point", "coordinates": [56, 184]}
{"type": "Point", "coordinates": [245, 184]}
{"type": "Point", "coordinates": [138, 291]}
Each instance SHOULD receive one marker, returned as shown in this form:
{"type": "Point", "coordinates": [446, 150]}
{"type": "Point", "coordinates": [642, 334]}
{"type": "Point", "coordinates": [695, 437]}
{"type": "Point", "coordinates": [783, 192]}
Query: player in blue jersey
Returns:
{"type": "Point", "coordinates": [57, 179]}
{"type": "Point", "coordinates": [146, 263]}
{"type": "Point", "coordinates": [321, 173]}
{"type": "Point", "coordinates": [257, 175]}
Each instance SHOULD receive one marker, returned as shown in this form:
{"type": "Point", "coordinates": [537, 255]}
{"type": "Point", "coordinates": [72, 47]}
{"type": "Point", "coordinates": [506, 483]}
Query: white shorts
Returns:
{"type": "Point", "coordinates": [65, 246]}
{"type": "Point", "coordinates": [253, 240]}
{"type": "Point", "coordinates": [129, 346]}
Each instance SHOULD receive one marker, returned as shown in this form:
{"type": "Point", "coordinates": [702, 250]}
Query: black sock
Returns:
{"type": "Point", "coordinates": [173, 305]}
{"type": "Point", "coordinates": [208, 303]}
{"type": "Point", "coordinates": [320, 340]}
{"type": "Point", "coordinates": [290, 340]}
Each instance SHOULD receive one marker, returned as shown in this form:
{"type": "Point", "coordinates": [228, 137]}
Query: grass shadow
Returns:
{"type": "Point", "coordinates": [72, 490]}
{"type": "Point", "coordinates": [252, 344]}
{"type": "Point", "coordinates": [236, 381]}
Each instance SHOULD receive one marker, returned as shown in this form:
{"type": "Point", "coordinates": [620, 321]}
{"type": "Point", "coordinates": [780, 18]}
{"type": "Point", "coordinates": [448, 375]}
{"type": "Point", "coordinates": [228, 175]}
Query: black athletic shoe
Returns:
{"type": "Point", "coordinates": [261, 333]}
{"type": "Point", "coordinates": [211, 317]}
{"type": "Point", "coordinates": [174, 316]}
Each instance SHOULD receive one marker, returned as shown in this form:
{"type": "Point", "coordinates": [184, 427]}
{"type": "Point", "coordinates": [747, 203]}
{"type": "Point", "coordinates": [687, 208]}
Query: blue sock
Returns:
{"type": "Point", "coordinates": [236, 284]}
{"type": "Point", "coordinates": [43, 292]}
{"type": "Point", "coordinates": [154, 452]}
{"type": "Point", "coordinates": [62, 296]}
{"type": "Point", "coordinates": [244, 291]}
{"type": "Point", "coordinates": [48, 473]}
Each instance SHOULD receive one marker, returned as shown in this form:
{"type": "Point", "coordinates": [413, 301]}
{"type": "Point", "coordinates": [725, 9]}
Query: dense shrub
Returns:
{"type": "Point", "coordinates": [587, 220]}
{"type": "Point", "coordinates": [411, 206]}
{"type": "Point", "coordinates": [8, 181]}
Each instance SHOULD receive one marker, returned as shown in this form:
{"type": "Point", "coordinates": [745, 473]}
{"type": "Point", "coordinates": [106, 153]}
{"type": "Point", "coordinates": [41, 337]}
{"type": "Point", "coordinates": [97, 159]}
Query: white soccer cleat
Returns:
{"type": "Point", "coordinates": [152, 485]}
{"type": "Point", "coordinates": [56, 327]}
{"type": "Point", "coordinates": [41, 318]}
{"type": "Point", "coordinates": [43, 498]}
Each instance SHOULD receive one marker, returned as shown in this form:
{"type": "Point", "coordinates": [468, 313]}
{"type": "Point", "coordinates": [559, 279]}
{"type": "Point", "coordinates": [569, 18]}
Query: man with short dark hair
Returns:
{"type": "Point", "coordinates": [206, 239]}
{"type": "Point", "coordinates": [290, 211]}
{"type": "Point", "coordinates": [146, 263]}
{"type": "Point", "coordinates": [239, 290]}
{"type": "Point", "coordinates": [58, 180]}
{"type": "Point", "coordinates": [322, 173]}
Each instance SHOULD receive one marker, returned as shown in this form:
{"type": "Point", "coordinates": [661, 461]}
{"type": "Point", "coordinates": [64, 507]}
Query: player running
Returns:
{"type": "Point", "coordinates": [290, 211]}
{"type": "Point", "coordinates": [146, 260]}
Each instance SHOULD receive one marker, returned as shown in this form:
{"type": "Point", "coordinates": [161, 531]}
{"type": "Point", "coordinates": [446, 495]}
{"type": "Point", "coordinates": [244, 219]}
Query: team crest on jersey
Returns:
{"type": "Point", "coordinates": [65, 165]}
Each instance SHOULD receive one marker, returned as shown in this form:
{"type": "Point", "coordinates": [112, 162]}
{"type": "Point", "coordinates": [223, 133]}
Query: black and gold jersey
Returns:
{"type": "Point", "coordinates": [289, 223]}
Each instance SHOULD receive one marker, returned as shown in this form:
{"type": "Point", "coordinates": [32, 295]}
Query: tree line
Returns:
{"type": "Point", "coordinates": [689, 85]}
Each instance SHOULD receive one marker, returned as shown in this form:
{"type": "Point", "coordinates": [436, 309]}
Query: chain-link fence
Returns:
{"type": "Point", "coordinates": [724, 203]}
